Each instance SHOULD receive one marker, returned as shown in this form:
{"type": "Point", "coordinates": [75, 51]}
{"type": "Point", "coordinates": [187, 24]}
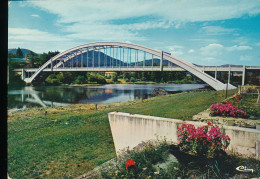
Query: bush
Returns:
{"type": "Point", "coordinates": [132, 79]}
{"type": "Point", "coordinates": [200, 141]}
{"type": "Point", "coordinates": [227, 110]}
{"type": "Point", "coordinates": [140, 164]}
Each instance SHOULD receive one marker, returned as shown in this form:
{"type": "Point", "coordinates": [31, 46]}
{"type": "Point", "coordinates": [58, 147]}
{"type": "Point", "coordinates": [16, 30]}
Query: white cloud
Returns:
{"type": "Point", "coordinates": [257, 44]}
{"type": "Point", "coordinates": [175, 50]}
{"type": "Point", "coordinates": [106, 20]}
{"type": "Point", "coordinates": [212, 50]}
{"type": "Point", "coordinates": [215, 30]}
{"type": "Point", "coordinates": [32, 35]}
{"type": "Point", "coordinates": [241, 40]}
{"type": "Point", "coordinates": [238, 48]}
{"type": "Point", "coordinates": [35, 15]}
{"type": "Point", "coordinates": [246, 58]}
{"type": "Point", "coordinates": [218, 49]}
{"type": "Point", "coordinates": [191, 51]}
{"type": "Point", "coordinates": [175, 10]}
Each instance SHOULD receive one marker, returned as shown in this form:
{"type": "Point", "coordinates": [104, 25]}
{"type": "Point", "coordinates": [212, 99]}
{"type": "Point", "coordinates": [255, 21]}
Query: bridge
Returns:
{"type": "Point", "coordinates": [122, 56]}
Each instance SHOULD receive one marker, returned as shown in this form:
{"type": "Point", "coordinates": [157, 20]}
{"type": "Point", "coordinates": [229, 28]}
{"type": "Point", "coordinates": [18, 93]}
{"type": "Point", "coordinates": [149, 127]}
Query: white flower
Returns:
{"type": "Point", "coordinates": [145, 168]}
{"type": "Point", "coordinates": [156, 173]}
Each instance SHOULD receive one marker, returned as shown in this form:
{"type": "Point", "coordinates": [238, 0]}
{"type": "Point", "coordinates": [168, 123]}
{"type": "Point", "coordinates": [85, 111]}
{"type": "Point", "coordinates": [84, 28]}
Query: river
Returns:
{"type": "Point", "coordinates": [43, 96]}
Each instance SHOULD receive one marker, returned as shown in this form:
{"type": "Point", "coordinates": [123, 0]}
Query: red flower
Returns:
{"type": "Point", "coordinates": [129, 164]}
{"type": "Point", "coordinates": [209, 124]}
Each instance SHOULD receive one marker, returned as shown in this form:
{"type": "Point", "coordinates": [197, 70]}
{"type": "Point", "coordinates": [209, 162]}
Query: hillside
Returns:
{"type": "Point", "coordinates": [25, 51]}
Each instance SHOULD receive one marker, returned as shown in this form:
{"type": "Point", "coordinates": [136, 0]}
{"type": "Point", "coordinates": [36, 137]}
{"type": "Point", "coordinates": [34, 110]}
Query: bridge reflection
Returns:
{"type": "Point", "coordinates": [64, 95]}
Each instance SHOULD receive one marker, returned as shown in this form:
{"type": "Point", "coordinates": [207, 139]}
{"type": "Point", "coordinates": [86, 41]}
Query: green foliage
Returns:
{"type": "Point", "coordinates": [52, 80]}
{"type": "Point", "coordinates": [19, 53]}
{"type": "Point", "coordinates": [132, 79]}
{"type": "Point", "coordinates": [114, 77]}
{"type": "Point", "coordinates": [14, 79]}
{"type": "Point", "coordinates": [80, 79]}
{"type": "Point", "coordinates": [126, 76]}
{"type": "Point", "coordinates": [145, 162]}
{"type": "Point", "coordinates": [96, 77]}
{"type": "Point", "coordinates": [247, 103]}
{"type": "Point", "coordinates": [70, 141]}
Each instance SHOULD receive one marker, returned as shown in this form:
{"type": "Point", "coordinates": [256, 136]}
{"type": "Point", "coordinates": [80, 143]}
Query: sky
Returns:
{"type": "Point", "coordinates": [203, 32]}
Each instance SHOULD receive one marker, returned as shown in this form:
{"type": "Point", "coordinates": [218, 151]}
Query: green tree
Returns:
{"type": "Point", "coordinates": [80, 79]}
{"type": "Point", "coordinates": [132, 79]}
{"type": "Point", "coordinates": [19, 53]}
{"type": "Point", "coordinates": [126, 75]}
{"type": "Point", "coordinates": [33, 59]}
{"type": "Point", "coordinates": [143, 76]}
{"type": "Point", "coordinates": [114, 77]}
{"type": "Point", "coordinates": [14, 79]}
{"type": "Point", "coordinates": [52, 79]}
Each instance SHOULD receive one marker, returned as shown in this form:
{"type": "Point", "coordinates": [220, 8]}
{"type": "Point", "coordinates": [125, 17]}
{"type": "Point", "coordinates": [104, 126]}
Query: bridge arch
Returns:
{"type": "Point", "coordinates": [67, 55]}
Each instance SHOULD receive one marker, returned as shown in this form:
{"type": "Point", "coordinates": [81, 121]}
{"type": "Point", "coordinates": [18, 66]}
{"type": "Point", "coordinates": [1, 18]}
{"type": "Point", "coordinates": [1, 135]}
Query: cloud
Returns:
{"type": "Point", "coordinates": [35, 15]}
{"type": "Point", "coordinates": [212, 50]}
{"type": "Point", "coordinates": [238, 48]}
{"type": "Point", "coordinates": [121, 20]}
{"type": "Point", "coordinates": [241, 40]}
{"type": "Point", "coordinates": [191, 51]}
{"type": "Point", "coordinates": [32, 35]}
{"type": "Point", "coordinates": [218, 49]}
{"type": "Point", "coordinates": [215, 30]}
{"type": "Point", "coordinates": [173, 10]}
{"type": "Point", "coordinates": [257, 44]}
{"type": "Point", "coordinates": [245, 58]}
{"type": "Point", "coordinates": [175, 50]}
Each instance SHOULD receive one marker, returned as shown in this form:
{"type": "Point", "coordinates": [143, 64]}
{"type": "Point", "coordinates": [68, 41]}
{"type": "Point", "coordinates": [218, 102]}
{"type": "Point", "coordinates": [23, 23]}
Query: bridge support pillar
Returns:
{"type": "Point", "coordinates": [23, 74]}
{"type": "Point", "coordinates": [229, 73]}
{"type": "Point", "coordinates": [244, 75]}
{"type": "Point", "coordinates": [161, 62]}
{"type": "Point", "coordinates": [51, 65]}
{"type": "Point", "coordinates": [216, 73]}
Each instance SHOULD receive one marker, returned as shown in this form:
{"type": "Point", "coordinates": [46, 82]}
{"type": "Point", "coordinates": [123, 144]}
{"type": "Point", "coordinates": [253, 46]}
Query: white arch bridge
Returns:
{"type": "Point", "coordinates": [121, 56]}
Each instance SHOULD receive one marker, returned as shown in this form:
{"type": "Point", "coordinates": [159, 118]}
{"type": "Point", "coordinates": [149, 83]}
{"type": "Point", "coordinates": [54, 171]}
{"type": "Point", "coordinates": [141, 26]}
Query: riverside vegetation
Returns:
{"type": "Point", "coordinates": [70, 141]}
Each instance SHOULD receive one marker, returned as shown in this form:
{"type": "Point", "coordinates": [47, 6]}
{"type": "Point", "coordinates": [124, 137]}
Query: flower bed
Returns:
{"type": "Point", "coordinates": [201, 141]}
{"type": "Point", "coordinates": [155, 162]}
{"type": "Point", "coordinates": [227, 110]}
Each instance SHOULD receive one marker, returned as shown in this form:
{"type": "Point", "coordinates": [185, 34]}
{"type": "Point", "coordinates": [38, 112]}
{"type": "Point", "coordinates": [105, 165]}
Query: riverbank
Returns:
{"type": "Point", "coordinates": [69, 141]}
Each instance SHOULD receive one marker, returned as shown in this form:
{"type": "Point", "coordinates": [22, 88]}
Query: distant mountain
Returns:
{"type": "Point", "coordinates": [106, 60]}
{"type": "Point", "coordinates": [25, 51]}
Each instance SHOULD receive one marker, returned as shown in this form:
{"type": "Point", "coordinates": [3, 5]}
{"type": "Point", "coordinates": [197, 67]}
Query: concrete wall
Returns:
{"type": "Point", "coordinates": [129, 130]}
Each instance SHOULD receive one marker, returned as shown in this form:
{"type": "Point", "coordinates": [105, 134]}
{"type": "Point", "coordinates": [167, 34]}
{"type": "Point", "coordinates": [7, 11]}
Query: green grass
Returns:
{"type": "Point", "coordinates": [70, 141]}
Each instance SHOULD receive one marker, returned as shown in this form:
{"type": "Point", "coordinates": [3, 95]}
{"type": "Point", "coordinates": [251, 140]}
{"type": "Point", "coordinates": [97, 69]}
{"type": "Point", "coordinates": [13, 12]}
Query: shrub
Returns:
{"type": "Point", "coordinates": [200, 141]}
{"type": "Point", "coordinates": [227, 110]}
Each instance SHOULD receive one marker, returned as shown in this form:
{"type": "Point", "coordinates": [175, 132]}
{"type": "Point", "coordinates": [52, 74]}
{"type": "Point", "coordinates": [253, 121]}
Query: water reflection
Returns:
{"type": "Point", "coordinates": [43, 96]}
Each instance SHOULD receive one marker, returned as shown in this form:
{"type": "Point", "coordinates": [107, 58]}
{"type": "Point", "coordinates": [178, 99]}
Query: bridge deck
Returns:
{"type": "Point", "coordinates": [155, 68]}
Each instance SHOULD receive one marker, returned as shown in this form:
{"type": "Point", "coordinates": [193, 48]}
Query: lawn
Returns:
{"type": "Point", "coordinates": [70, 141]}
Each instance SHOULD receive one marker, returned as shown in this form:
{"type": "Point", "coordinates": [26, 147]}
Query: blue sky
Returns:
{"type": "Point", "coordinates": [204, 32]}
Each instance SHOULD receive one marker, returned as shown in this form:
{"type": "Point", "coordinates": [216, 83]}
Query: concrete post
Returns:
{"type": "Point", "coordinates": [51, 65]}
{"type": "Point", "coordinates": [161, 62]}
{"type": "Point", "coordinates": [244, 75]}
{"type": "Point", "coordinates": [23, 74]}
{"type": "Point", "coordinates": [216, 73]}
{"type": "Point", "coordinates": [229, 71]}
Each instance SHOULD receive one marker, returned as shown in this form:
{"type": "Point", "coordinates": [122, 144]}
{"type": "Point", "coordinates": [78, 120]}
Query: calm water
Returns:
{"type": "Point", "coordinates": [43, 96]}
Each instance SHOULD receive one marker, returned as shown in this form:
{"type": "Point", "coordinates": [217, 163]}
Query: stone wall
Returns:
{"type": "Point", "coordinates": [129, 130]}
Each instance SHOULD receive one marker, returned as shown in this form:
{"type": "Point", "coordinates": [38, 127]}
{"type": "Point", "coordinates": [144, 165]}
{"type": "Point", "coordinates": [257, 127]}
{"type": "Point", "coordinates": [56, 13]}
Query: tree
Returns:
{"type": "Point", "coordinates": [52, 79]}
{"type": "Point", "coordinates": [126, 75]}
{"type": "Point", "coordinates": [132, 79]}
{"type": "Point", "coordinates": [80, 79]}
{"type": "Point", "coordinates": [33, 59]}
{"type": "Point", "coordinates": [114, 77]}
{"type": "Point", "coordinates": [19, 53]}
{"type": "Point", "coordinates": [143, 76]}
